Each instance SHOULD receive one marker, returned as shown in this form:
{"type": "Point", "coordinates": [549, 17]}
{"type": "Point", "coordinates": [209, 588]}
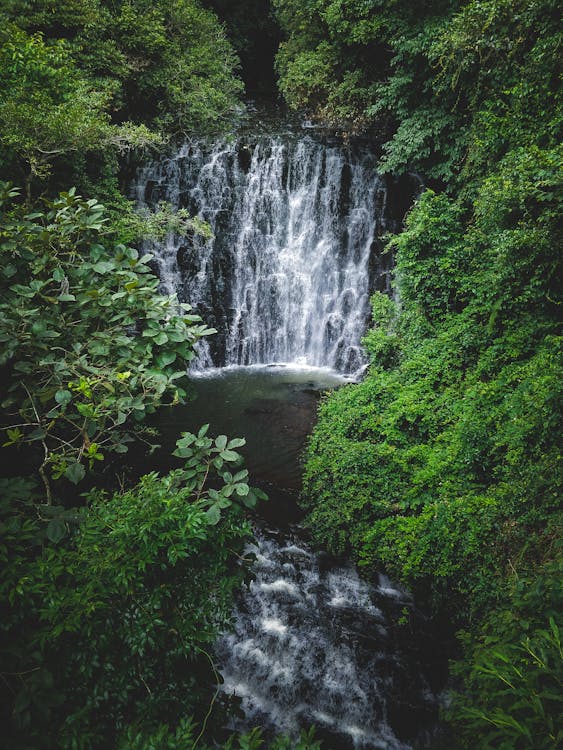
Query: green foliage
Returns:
{"type": "Point", "coordinates": [381, 341]}
{"type": "Point", "coordinates": [134, 225]}
{"type": "Point", "coordinates": [194, 86]}
{"type": "Point", "coordinates": [111, 627]}
{"type": "Point", "coordinates": [432, 257]}
{"type": "Point", "coordinates": [88, 346]}
{"type": "Point", "coordinates": [82, 83]}
{"type": "Point", "coordinates": [444, 465]}
{"type": "Point", "coordinates": [205, 455]}
{"type": "Point", "coordinates": [166, 738]}
{"type": "Point", "coordinates": [50, 111]}
{"type": "Point", "coordinates": [46, 109]}
{"type": "Point", "coordinates": [109, 604]}
{"type": "Point", "coordinates": [167, 63]}
{"type": "Point", "coordinates": [452, 438]}
{"type": "Point", "coordinates": [374, 62]}
{"type": "Point", "coordinates": [520, 686]}
{"type": "Point", "coordinates": [514, 673]}
{"type": "Point", "coordinates": [500, 58]}
{"type": "Point", "coordinates": [454, 82]}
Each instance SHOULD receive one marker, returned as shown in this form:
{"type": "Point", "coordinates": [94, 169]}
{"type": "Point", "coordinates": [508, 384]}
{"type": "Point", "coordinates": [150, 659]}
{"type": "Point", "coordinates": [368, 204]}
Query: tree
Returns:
{"type": "Point", "coordinates": [167, 64]}
{"type": "Point", "coordinates": [48, 110]}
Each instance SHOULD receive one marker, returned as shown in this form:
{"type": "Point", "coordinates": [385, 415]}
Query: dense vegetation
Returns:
{"type": "Point", "coordinates": [443, 465]}
{"type": "Point", "coordinates": [111, 599]}
{"type": "Point", "coordinates": [86, 80]}
{"type": "Point", "coordinates": [111, 595]}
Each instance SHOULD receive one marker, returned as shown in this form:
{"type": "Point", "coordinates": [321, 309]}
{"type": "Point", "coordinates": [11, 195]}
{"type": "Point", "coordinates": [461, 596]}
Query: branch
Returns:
{"type": "Point", "coordinates": [42, 472]}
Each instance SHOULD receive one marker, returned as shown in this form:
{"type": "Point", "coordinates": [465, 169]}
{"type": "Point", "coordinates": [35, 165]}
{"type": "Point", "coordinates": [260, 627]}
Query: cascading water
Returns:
{"type": "Point", "coordinates": [314, 644]}
{"type": "Point", "coordinates": [286, 278]}
{"type": "Point", "coordinates": [288, 273]}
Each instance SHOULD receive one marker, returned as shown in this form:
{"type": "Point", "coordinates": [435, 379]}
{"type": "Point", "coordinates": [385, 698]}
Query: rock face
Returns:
{"type": "Point", "coordinates": [297, 223]}
{"type": "Point", "coordinates": [314, 644]}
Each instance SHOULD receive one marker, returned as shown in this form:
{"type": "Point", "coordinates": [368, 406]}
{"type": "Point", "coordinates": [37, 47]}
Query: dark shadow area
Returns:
{"type": "Point", "coordinates": [255, 35]}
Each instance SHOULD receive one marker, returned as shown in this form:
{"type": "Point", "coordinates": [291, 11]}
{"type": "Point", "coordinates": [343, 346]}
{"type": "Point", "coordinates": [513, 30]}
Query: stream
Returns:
{"type": "Point", "coordinates": [313, 643]}
{"type": "Point", "coordinates": [296, 251]}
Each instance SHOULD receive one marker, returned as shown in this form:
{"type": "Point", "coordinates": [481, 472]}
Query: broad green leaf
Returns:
{"type": "Point", "coordinates": [186, 440]}
{"type": "Point", "coordinates": [75, 473]}
{"type": "Point", "coordinates": [229, 455]}
{"type": "Point", "coordinates": [221, 442]}
{"type": "Point", "coordinates": [56, 530]}
{"type": "Point", "coordinates": [103, 266]}
{"type": "Point", "coordinates": [236, 443]}
{"type": "Point", "coordinates": [63, 397]}
{"type": "Point", "coordinates": [249, 500]}
{"type": "Point", "coordinates": [213, 515]}
{"type": "Point", "coordinates": [165, 358]}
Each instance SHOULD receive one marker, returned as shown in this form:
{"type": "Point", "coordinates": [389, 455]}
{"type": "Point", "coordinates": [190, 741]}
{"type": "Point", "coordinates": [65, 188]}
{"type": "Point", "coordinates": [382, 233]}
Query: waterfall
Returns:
{"type": "Point", "coordinates": [288, 273]}
{"type": "Point", "coordinates": [314, 644]}
{"type": "Point", "coordinates": [296, 251]}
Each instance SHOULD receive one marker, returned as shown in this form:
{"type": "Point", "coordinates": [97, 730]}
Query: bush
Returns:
{"type": "Point", "coordinates": [110, 626]}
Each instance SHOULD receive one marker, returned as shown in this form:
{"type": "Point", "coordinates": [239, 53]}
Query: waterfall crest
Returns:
{"type": "Point", "coordinates": [288, 273]}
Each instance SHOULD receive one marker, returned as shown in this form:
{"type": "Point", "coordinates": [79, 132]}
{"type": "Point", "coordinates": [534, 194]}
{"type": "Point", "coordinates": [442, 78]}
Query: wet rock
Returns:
{"type": "Point", "coordinates": [322, 652]}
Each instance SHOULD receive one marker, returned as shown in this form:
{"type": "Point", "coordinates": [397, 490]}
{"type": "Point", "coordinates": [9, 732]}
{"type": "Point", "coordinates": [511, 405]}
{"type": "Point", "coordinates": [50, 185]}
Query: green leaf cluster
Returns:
{"type": "Point", "coordinates": [167, 62]}
{"type": "Point", "coordinates": [444, 465]}
{"type": "Point", "coordinates": [110, 602]}
{"type": "Point", "coordinates": [89, 347]}
{"type": "Point", "coordinates": [46, 108]}
{"type": "Point", "coordinates": [204, 455]}
{"type": "Point", "coordinates": [513, 673]}
{"type": "Point", "coordinates": [110, 627]}
{"type": "Point", "coordinates": [451, 442]}
{"type": "Point", "coordinates": [445, 84]}
{"type": "Point", "coordinates": [99, 79]}
{"type": "Point", "coordinates": [185, 735]}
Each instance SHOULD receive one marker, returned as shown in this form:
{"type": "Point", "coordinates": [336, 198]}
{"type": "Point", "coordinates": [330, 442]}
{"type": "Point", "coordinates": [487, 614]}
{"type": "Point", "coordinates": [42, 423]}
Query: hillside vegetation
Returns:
{"type": "Point", "coordinates": [443, 465]}
{"type": "Point", "coordinates": [111, 596]}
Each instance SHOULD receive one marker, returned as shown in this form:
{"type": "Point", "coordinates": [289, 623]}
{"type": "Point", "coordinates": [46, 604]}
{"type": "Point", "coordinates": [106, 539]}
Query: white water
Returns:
{"type": "Point", "coordinates": [312, 644]}
{"type": "Point", "coordinates": [287, 276]}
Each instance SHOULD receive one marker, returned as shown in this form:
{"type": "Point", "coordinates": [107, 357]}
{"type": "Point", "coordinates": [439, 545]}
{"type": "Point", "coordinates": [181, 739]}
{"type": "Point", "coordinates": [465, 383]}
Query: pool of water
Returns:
{"type": "Point", "coordinates": [273, 407]}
